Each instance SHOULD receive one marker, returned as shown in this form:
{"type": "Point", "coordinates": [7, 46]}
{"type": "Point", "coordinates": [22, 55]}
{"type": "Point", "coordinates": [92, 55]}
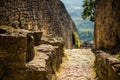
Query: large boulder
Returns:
{"type": "Point", "coordinates": [50, 16]}
{"type": "Point", "coordinates": [107, 24]}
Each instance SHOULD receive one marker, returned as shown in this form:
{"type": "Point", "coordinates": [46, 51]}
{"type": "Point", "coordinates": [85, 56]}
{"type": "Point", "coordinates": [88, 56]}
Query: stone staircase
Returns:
{"type": "Point", "coordinates": [24, 56]}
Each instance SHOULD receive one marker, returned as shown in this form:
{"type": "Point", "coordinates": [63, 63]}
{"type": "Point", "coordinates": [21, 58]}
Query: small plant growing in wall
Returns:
{"type": "Point", "coordinates": [76, 40]}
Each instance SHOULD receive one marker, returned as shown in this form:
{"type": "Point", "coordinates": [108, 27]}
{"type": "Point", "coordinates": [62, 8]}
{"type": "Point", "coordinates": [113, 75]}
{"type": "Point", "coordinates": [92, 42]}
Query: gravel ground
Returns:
{"type": "Point", "coordinates": [78, 64]}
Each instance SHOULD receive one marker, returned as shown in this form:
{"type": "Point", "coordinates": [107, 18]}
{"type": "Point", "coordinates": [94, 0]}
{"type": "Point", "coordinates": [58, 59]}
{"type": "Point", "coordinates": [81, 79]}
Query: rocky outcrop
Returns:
{"type": "Point", "coordinates": [107, 24]}
{"type": "Point", "coordinates": [50, 16]}
{"type": "Point", "coordinates": [107, 38]}
{"type": "Point", "coordinates": [22, 60]}
{"type": "Point", "coordinates": [107, 66]}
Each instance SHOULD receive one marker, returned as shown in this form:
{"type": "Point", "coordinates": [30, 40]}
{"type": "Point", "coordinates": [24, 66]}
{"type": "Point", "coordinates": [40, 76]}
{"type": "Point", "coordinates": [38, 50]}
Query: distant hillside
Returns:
{"type": "Point", "coordinates": [85, 27]}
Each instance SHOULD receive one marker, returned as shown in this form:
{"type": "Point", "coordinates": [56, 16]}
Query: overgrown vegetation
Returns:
{"type": "Point", "coordinates": [89, 9]}
{"type": "Point", "coordinates": [95, 74]}
{"type": "Point", "coordinates": [76, 40]}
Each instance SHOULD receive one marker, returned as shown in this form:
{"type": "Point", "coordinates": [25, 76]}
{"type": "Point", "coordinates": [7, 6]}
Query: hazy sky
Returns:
{"type": "Point", "coordinates": [76, 2]}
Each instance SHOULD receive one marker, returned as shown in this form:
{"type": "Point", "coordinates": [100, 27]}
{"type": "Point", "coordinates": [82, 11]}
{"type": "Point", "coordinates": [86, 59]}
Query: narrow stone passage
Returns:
{"type": "Point", "coordinates": [77, 65]}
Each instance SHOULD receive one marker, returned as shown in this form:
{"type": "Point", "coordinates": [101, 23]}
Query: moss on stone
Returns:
{"type": "Point", "coordinates": [117, 55]}
{"type": "Point", "coordinates": [95, 73]}
{"type": "Point", "coordinates": [76, 40]}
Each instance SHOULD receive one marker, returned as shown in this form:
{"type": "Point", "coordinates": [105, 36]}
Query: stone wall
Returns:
{"type": "Point", "coordinates": [22, 59]}
{"type": "Point", "coordinates": [107, 66]}
{"type": "Point", "coordinates": [50, 16]}
{"type": "Point", "coordinates": [107, 24]}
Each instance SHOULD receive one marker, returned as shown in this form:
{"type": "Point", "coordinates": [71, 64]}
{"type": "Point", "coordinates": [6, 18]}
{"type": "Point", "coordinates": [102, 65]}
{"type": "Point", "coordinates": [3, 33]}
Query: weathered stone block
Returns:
{"type": "Point", "coordinates": [33, 73]}
{"type": "Point", "coordinates": [30, 47]}
{"type": "Point", "coordinates": [107, 66]}
{"type": "Point", "coordinates": [13, 50]}
{"type": "Point", "coordinates": [54, 57]}
{"type": "Point", "coordinates": [58, 44]}
{"type": "Point", "coordinates": [55, 41]}
{"type": "Point", "coordinates": [28, 73]}
{"type": "Point", "coordinates": [60, 54]}
{"type": "Point", "coordinates": [30, 44]}
{"type": "Point", "coordinates": [37, 37]}
{"type": "Point", "coordinates": [40, 64]}
{"type": "Point", "coordinates": [49, 51]}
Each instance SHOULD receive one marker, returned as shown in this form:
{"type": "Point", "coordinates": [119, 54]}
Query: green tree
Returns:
{"type": "Point", "coordinates": [88, 9]}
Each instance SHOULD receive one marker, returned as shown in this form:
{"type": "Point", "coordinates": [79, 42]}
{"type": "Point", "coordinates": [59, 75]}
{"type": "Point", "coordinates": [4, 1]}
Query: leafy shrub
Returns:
{"type": "Point", "coordinates": [76, 40]}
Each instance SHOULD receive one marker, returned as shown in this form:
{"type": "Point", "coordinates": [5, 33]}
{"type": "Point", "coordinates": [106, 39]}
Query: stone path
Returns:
{"type": "Point", "coordinates": [77, 65]}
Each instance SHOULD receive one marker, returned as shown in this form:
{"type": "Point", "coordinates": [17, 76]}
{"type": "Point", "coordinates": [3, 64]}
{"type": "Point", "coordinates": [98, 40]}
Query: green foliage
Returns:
{"type": "Point", "coordinates": [89, 9]}
{"type": "Point", "coordinates": [95, 73]}
{"type": "Point", "coordinates": [76, 40]}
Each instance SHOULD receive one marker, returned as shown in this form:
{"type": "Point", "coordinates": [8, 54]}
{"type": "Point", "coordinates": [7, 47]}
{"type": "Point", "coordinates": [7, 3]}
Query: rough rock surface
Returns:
{"type": "Point", "coordinates": [107, 24]}
{"type": "Point", "coordinates": [50, 16]}
{"type": "Point", "coordinates": [107, 66]}
{"type": "Point", "coordinates": [12, 54]}
{"type": "Point", "coordinates": [58, 43]}
{"type": "Point", "coordinates": [46, 60]}
{"type": "Point", "coordinates": [22, 60]}
{"type": "Point", "coordinates": [78, 64]}
{"type": "Point", "coordinates": [107, 38]}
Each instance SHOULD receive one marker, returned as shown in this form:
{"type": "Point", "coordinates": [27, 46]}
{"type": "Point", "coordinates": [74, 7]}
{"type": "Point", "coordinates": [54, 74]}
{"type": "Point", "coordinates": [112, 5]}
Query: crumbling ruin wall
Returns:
{"type": "Point", "coordinates": [22, 59]}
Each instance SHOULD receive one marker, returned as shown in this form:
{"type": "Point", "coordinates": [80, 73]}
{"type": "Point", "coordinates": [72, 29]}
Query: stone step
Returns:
{"type": "Point", "coordinates": [13, 50]}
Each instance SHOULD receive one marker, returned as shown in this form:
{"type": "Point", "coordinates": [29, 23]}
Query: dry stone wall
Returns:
{"type": "Point", "coordinates": [22, 60]}
{"type": "Point", "coordinates": [50, 16]}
